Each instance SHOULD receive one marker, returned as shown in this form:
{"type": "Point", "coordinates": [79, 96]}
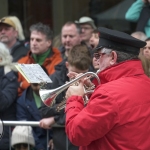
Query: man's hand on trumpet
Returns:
{"type": "Point", "coordinates": [75, 90]}
{"type": "Point", "coordinates": [79, 89]}
{"type": "Point", "coordinates": [87, 82]}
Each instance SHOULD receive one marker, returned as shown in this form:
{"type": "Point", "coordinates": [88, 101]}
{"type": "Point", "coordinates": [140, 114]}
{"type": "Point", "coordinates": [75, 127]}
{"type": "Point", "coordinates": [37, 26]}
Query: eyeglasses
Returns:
{"type": "Point", "coordinates": [98, 55]}
{"type": "Point", "coordinates": [86, 28]}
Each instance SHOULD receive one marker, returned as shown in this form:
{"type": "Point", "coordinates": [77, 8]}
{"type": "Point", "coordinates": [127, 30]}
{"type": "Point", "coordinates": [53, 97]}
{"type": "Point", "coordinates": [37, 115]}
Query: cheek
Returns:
{"type": "Point", "coordinates": [104, 63]}
{"type": "Point", "coordinates": [12, 33]}
{"type": "Point", "coordinates": [74, 41]}
{"type": "Point", "coordinates": [95, 61]}
{"type": "Point", "coordinates": [64, 40]}
{"type": "Point", "coordinates": [96, 41]}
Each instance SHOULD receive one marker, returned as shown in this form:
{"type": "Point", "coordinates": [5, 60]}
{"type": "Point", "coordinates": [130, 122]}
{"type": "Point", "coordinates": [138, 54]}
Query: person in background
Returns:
{"type": "Point", "coordinates": [117, 113]}
{"type": "Point", "coordinates": [145, 57]}
{"type": "Point", "coordinates": [79, 60]}
{"type": "Point", "coordinates": [87, 26]}
{"type": "Point", "coordinates": [27, 109]}
{"type": "Point", "coordinates": [95, 63]}
{"type": "Point", "coordinates": [139, 35]}
{"type": "Point", "coordinates": [11, 34]}
{"type": "Point", "coordinates": [146, 49]}
{"type": "Point", "coordinates": [144, 52]}
{"type": "Point", "coordinates": [41, 52]}
{"type": "Point", "coordinates": [133, 14]}
{"type": "Point", "coordinates": [145, 62]}
{"type": "Point", "coordinates": [22, 138]}
{"type": "Point", "coordinates": [94, 40]}
{"type": "Point", "coordinates": [15, 19]}
{"type": "Point", "coordinates": [8, 92]}
{"type": "Point", "coordinates": [70, 36]}
{"type": "Point", "coordinates": [57, 41]}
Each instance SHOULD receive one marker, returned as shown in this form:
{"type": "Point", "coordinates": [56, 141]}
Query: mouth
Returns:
{"type": "Point", "coordinates": [34, 48]}
{"type": "Point", "coordinates": [92, 46]}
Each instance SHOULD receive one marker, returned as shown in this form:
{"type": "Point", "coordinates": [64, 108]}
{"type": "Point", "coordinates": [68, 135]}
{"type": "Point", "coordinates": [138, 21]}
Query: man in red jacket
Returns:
{"type": "Point", "coordinates": [117, 115]}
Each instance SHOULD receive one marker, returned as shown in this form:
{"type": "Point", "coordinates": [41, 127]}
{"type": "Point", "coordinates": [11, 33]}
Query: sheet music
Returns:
{"type": "Point", "coordinates": [34, 73]}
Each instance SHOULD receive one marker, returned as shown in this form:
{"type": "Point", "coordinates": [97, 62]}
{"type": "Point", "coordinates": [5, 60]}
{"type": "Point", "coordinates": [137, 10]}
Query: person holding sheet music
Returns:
{"type": "Point", "coordinates": [27, 109]}
{"type": "Point", "coordinates": [41, 52]}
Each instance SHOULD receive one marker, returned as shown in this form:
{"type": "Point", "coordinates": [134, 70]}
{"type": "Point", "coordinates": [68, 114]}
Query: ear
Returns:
{"type": "Point", "coordinates": [16, 34]}
{"type": "Point", "coordinates": [49, 42]}
{"type": "Point", "coordinates": [67, 64]}
{"type": "Point", "coordinates": [113, 58]}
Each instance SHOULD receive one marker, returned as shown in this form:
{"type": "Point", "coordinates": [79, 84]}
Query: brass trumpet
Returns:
{"type": "Point", "coordinates": [48, 96]}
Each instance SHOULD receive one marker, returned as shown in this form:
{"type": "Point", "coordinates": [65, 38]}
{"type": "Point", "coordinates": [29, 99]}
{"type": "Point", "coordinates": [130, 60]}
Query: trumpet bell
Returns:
{"type": "Point", "coordinates": [48, 96]}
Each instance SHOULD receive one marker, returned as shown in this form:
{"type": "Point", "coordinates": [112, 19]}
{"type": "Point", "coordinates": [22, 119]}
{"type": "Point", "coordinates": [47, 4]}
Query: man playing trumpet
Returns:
{"type": "Point", "coordinates": [79, 61]}
{"type": "Point", "coordinates": [117, 115]}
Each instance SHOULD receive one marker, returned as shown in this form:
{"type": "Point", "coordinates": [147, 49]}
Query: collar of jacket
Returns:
{"type": "Point", "coordinates": [40, 58]}
{"type": "Point", "coordinates": [29, 93]}
{"type": "Point", "coordinates": [53, 53]}
{"type": "Point", "coordinates": [120, 70]}
{"type": "Point", "coordinates": [29, 54]}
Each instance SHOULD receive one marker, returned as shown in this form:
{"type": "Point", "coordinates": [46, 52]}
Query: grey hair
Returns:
{"type": "Point", "coordinates": [121, 56]}
{"type": "Point", "coordinates": [45, 29]}
{"type": "Point", "coordinates": [139, 35]}
{"type": "Point", "coordinates": [5, 55]}
{"type": "Point", "coordinates": [6, 59]}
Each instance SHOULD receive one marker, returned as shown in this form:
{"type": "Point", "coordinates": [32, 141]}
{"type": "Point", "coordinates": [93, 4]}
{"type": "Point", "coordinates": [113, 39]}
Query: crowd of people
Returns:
{"type": "Point", "coordinates": [116, 115]}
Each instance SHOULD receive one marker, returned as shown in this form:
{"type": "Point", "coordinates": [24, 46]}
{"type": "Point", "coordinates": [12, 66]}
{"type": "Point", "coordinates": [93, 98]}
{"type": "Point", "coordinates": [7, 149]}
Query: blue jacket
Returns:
{"type": "Point", "coordinates": [8, 96]}
{"type": "Point", "coordinates": [134, 12]}
{"type": "Point", "coordinates": [27, 110]}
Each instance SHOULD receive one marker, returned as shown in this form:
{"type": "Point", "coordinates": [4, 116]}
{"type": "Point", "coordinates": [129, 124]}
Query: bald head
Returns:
{"type": "Point", "coordinates": [70, 35]}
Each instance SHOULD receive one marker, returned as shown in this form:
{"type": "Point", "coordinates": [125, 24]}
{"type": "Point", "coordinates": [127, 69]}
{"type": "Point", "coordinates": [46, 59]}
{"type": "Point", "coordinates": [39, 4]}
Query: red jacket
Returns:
{"type": "Point", "coordinates": [49, 63]}
{"type": "Point", "coordinates": [117, 116]}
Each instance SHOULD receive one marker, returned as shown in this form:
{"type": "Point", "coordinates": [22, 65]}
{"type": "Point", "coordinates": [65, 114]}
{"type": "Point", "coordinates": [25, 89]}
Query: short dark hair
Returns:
{"type": "Point", "coordinates": [69, 23]}
{"type": "Point", "coordinates": [95, 31]}
{"type": "Point", "coordinates": [45, 29]}
{"type": "Point", "coordinates": [80, 57]}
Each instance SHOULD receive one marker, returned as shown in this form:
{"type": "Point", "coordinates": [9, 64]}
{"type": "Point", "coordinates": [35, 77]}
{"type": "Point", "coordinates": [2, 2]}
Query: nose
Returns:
{"type": "Point", "coordinates": [2, 30]}
{"type": "Point", "coordinates": [33, 42]}
{"type": "Point", "coordinates": [67, 38]}
{"type": "Point", "coordinates": [82, 30]}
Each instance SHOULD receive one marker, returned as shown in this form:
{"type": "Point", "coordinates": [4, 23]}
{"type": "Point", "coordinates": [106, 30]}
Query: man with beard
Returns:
{"type": "Point", "coordinates": [10, 37]}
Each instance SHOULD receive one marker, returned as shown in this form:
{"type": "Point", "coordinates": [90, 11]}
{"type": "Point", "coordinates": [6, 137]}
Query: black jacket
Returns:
{"type": "Point", "coordinates": [19, 51]}
{"type": "Point", "coordinates": [59, 78]}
